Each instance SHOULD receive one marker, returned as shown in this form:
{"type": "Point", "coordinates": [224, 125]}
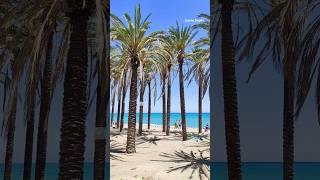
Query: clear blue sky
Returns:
{"type": "Point", "coordinates": [162, 17]}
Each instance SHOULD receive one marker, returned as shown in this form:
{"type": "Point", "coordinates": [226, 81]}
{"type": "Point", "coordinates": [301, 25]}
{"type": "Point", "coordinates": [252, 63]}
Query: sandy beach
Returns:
{"type": "Point", "coordinates": [159, 156]}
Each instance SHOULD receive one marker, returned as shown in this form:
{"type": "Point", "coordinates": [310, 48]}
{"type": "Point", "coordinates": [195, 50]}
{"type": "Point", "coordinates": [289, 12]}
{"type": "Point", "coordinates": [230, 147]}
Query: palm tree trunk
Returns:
{"type": "Point", "coordinates": [10, 141]}
{"type": "Point", "coordinates": [45, 101]}
{"type": "Point", "coordinates": [164, 114]}
{"type": "Point", "coordinates": [182, 101]}
{"type": "Point", "coordinates": [149, 104]}
{"type": "Point", "coordinates": [288, 123]}
{"type": "Point", "coordinates": [141, 101]}
{"type": "Point", "coordinates": [124, 92]}
{"type": "Point", "coordinates": [29, 136]}
{"type": "Point", "coordinates": [72, 138]}
{"type": "Point", "coordinates": [169, 101]}
{"type": "Point", "coordinates": [101, 115]}
{"type": "Point", "coordinates": [200, 104]}
{"type": "Point", "coordinates": [112, 104]}
{"type": "Point", "coordinates": [119, 107]}
{"type": "Point", "coordinates": [131, 134]}
{"type": "Point", "coordinates": [230, 94]}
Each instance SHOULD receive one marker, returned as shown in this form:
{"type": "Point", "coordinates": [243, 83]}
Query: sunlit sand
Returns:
{"type": "Point", "coordinates": [159, 156]}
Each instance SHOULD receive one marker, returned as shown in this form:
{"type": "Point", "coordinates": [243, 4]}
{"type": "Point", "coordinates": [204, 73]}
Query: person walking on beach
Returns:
{"type": "Point", "coordinates": [176, 125]}
{"type": "Point", "coordinates": [113, 124]}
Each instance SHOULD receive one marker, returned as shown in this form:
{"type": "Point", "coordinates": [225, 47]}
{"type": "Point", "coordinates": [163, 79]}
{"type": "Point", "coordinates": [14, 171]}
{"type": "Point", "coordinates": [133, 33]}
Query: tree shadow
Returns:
{"type": "Point", "coordinates": [116, 148]}
{"type": "Point", "coordinates": [202, 144]}
{"type": "Point", "coordinates": [145, 139]}
{"type": "Point", "coordinates": [199, 136]}
{"type": "Point", "coordinates": [190, 161]}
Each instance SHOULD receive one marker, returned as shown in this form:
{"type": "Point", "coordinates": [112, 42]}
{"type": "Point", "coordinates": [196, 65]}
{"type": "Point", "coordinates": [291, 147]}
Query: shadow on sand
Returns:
{"type": "Point", "coordinates": [188, 161]}
{"type": "Point", "coordinates": [145, 139]}
{"type": "Point", "coordinates": [116, 148]}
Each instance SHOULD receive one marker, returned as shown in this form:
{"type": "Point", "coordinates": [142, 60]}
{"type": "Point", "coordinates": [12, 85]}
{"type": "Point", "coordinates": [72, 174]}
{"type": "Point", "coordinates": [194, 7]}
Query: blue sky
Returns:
{"type": "Point", "coordinates": [162, 17]}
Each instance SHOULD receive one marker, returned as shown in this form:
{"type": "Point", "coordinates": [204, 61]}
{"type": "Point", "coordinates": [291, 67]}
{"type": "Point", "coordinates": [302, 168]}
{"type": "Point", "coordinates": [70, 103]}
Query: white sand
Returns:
{"type": "Point", "coordinates": [159, 156]}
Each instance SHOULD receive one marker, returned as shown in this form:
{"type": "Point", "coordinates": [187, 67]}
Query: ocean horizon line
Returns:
{"type": "Point", "coordinates": [170, 113]}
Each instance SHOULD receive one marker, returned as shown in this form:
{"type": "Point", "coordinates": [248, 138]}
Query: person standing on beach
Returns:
{"type": "Point", "coordinates": [206, 128]}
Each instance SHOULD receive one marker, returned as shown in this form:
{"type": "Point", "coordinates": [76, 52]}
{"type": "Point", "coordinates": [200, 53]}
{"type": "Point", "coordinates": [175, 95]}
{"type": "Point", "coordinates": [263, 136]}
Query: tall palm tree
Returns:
{"type": "Point", "coordinates": [119, 102]}
{"type": "Point", "coordinates": [26, 50]}
{"type": "Point", "coordinates": [149, 100]}
{"type": "Point", "coordinates": [114, 82]}
{"type": "Point", "coordinates": [285, 24]}
{"type": "Point", "coordinates": [45, 100]}
{"type": "Point", "coordinates": [166, 61]}
{"type": "Point", "coordinates": [148, 63]}
{"type": "Point", "coordinates": [72, 136]}
{"type": "Point", "coordinates": [164, 105]}
{"type": "Point", "coordinates": [132, 37]}
{"type": "Point", "coordinates": [124, 92]}
{"type": "Point", "coordinates": [200, 73]}
{"type": "Point", "coordinates": [149, 77]}
{"type": "Point", "coordinates": [142, 89]}
{"type": "Point", "coordinates": [230, 92]}
{"type": "Point", "coordinates": [181, 38]}
{"type": "Point", "coordinates": [200, 59]}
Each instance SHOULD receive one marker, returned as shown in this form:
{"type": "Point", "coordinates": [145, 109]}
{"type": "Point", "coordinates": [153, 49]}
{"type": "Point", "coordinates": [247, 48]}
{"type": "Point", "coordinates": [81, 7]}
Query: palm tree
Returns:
{"type": "Point", "coordinates": [132, 37]}
{"type": "Point", "coordinates": [285, 27]}
{"type": "Point", "coordinates": [119, 102]}
{"type": "Point", "coordinates": [45, 100]}
{"type": "Point", "coordinates": [309, 63]}
{"type": "Point", "coordinates": [149, 77]}
{"type": "Point", "coordinates": [149, 100]}
{"type": "Point", "coordinates": [200, 58]}
{"type": "Point", "coordinates": [26, 47]}
{"type": "Point", "coordinates": [10, 127]}
{"type": "Point", "coordinates": [124, 92]}
{"type": "Point", "coordinates": [164, 108]}
{"type": "Point", "coordinates": [72, 136]}
{"type": "Point", "coordinates": [181, 38]}
{"type": "Point", "coordinates": [10, 141]}
{"type": "Point", "coordinates": [230, 92]}
{"type": "Point", "coordinates": [114, 83]}
{"type": "Point", "coordinates": [142, 88]}
{"type": "Point", "coordinates": [203, 42]}
{"type": "Point", "coordinates": [166, 61]}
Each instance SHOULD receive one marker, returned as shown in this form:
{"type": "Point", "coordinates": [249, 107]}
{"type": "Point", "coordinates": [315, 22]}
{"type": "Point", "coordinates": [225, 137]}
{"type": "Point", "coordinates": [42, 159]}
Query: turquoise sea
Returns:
{"type": "Point", "coordinates": [251, 171]}
{"type": "Point", "coordinates": [156, 118]}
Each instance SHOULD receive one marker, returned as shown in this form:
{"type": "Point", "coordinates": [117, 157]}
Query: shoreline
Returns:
{"type": "Point", "coordinates": [159, 127]}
